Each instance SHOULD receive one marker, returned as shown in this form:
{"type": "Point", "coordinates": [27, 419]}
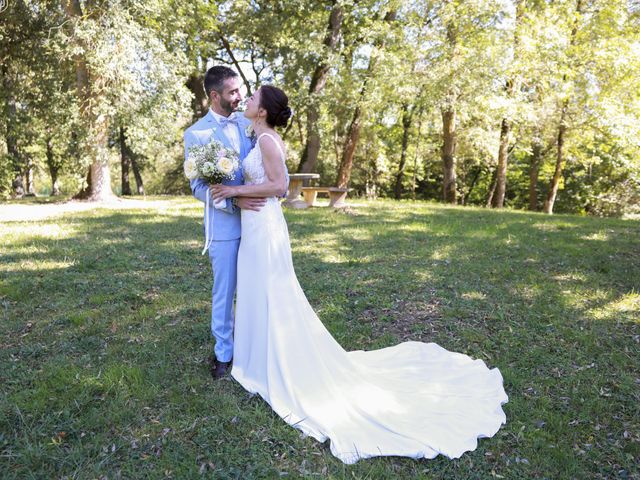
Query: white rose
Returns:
{"type": "Point", "coordinates": [225, 165]}
{"type": "Point", "coordinates": [190, 169]}
{"type": "Point", "coordinates": [208, 168]}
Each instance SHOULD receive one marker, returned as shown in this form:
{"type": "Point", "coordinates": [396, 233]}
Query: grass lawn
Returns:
{"type": "Point", "coordinates": [104, 336]}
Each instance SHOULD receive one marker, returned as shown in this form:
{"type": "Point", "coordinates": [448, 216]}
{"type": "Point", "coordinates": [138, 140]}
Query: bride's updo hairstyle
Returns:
{"type": "Point", "coordinates": [276, 103]}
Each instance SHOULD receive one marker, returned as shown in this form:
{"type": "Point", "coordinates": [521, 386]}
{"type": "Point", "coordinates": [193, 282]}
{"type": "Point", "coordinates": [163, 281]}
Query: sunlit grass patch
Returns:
{"type": "Point", "coordinates": [624, 308]}
{"type": "Point", "coordinates": [600, 236]}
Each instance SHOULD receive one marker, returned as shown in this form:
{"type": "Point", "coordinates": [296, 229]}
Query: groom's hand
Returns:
{"type": "Point", "coordinates": [251, 203]}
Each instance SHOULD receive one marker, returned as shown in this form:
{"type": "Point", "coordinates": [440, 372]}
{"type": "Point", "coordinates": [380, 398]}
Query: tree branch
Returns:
{"type": "Point", "coordinates": [227, 47]}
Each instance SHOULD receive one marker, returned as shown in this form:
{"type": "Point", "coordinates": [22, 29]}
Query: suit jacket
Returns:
{"type": "Point", "coordinates": [226, 222]}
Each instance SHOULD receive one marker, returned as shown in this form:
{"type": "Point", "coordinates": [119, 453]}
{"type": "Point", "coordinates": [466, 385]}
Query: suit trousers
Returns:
{"type": "Point", "coordinates": [224, 257]}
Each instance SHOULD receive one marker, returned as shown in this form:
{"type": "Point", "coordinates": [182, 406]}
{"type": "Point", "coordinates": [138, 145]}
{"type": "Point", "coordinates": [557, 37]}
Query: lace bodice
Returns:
{"type": "Point", "coordinates": [252, 165]}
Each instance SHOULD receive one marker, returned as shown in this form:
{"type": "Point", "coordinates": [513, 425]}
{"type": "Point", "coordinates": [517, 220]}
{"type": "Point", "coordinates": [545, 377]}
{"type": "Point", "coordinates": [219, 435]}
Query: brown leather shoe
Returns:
{"type": "Point", "coordinates": [220, 369]}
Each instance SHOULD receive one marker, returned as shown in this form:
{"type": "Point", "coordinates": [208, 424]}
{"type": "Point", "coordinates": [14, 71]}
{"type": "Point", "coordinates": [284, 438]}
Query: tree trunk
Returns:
{"type": "Point", "coordinates": [53, 169]}
{"type": "Point", "coordinates": [312, 147]}
{"type": "Point", "coordinates": [371, 183]}
{"type": "Point", "coordinates": [462, 178]}
{"type": "Point", "coordinates": [474, 180]}
{"type": "Point", "coordinates": [448, 154]}
{"type": "Point", "coordinates": [55, 186]}
{"type": "Point", "coordinates": [415, 156]}
{"type": "Point", "coordinates": [449, 140]}
{"type": "Point", "coordinates": [492, 188]}
{"type": "Point", "coordinates": [536, 157]}
{"type": "Point", "coordinates": [318, 81]}
{"type": "Point", "coordinates": [199, 103]}
{"type": "Point", "coordinates": [407, 115]}
{"type": "Point", "coordinates": [100, 173]}
{"type": "Point", "coordinates": [125, 162]}
{"type": "Point", "coordinates": [501, 170]}
{"type": "Point", "coordinates": [31, 189]}
{"type": "Point", "coordinates": [346, 162]}
{"type": "Point", "coordinates": [557, 174]}
{"type": "Point", "coordinates": [17, 185]}
{"type": "Point", "coordinates": [286, 131]}
{"type": "Point", "coordinates": [86, 191]}
{"type": "Point", "coordinates": [136, 174]}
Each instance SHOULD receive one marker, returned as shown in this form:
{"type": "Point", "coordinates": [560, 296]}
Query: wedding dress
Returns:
{"type": "Point", "coordinates": [413, 399]}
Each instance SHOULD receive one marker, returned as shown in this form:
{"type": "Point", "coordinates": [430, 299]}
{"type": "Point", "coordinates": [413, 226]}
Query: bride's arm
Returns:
{"type": "Point", "coordinates": [276, 184]}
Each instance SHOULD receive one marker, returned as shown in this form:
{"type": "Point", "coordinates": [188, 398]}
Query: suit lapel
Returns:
{"type": "Point", "coordinates": [244, 151]}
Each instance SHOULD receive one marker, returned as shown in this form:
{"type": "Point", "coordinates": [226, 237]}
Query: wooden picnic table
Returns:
{"type": "Point", "coordinates": [293, 199]}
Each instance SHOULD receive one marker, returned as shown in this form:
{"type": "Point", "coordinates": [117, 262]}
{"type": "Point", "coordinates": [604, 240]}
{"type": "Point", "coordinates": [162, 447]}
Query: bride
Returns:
{"type": "Point", "coordinates": [413, 399]}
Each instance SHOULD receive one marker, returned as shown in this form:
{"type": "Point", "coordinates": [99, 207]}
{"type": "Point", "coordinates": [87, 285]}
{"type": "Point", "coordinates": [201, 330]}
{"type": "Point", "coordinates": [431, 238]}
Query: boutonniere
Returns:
{"type": "Point", "coordinates": [249, 132]}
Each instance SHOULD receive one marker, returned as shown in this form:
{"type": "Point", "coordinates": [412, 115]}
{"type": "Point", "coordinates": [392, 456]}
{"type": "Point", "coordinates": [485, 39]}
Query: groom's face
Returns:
{"type": "Point", "coordinates": [230, 97]}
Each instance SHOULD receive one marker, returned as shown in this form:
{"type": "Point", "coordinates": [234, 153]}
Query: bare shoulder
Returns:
{"type": "Point", "coordinates": [271, 146]}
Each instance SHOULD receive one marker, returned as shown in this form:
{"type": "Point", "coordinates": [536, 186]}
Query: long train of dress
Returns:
{"type": "Point", "coordinates": [413, 399]}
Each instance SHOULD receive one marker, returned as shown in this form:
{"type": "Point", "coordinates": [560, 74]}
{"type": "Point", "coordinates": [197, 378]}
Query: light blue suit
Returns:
{"type": "Point", "coordinates": [223, 251]}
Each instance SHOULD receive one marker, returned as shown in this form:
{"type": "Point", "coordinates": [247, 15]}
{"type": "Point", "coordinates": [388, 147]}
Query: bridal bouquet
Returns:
{"type": "Point", "coordinates": [212, 162]}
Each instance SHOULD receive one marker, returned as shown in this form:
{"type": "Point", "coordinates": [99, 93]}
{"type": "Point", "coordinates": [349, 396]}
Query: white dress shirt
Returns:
{"type": "Point", "coordinates": [231, 131]}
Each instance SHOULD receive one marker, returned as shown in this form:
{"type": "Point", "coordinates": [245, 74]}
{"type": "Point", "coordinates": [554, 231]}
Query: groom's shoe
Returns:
{"type": "Point", "coordinates": [212, 361]}
{"type": "Point", "coordinates": [220, 369]}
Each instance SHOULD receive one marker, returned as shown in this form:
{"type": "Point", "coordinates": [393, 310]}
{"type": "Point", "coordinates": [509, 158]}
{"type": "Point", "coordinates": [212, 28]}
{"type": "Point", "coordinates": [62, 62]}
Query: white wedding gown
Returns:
{"type": "Point", "coordinates": [413, 399]}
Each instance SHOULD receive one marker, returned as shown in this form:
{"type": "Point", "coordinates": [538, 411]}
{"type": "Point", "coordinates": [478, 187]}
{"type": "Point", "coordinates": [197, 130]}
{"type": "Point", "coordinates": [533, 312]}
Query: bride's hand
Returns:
{"type": "Point", "coordinates": [220, 192]}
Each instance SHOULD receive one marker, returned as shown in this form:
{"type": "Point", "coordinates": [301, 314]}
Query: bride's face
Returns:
{"type": "Point", "coordinates": [253, 110]}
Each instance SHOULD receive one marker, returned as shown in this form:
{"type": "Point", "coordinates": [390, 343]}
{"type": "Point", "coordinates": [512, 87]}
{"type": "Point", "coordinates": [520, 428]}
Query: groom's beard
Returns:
{"type": "Point", "coordinates": [228, 106]}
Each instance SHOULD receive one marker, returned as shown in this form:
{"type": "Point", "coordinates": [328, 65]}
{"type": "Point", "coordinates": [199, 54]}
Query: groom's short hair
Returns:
{"type": "Point", "coordinates": [215, 77]}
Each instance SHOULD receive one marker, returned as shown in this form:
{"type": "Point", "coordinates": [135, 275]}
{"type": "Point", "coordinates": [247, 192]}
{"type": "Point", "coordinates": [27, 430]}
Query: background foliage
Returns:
{"type": "Point", "coordinates": [370, 82]}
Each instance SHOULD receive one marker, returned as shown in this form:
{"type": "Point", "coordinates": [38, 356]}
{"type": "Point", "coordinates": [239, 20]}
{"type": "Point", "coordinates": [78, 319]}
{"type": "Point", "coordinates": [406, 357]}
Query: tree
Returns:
{"type": "Point", "coordinates": [85, 27]}
{"type": "Point", "coordinates": [19, 53]}
{"type": "Point", "coordinates": [564, 110]}
{"type": "Point", "coordinates": [353, 131]}
{"type": "Point", "coordinates": [318, 81]}
{"type": "Point", "coordinates": [512, 85]}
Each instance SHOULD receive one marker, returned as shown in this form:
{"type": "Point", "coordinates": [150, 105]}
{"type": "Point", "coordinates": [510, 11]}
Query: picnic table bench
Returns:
{"type": "Point", "coordinates": [337, 195]}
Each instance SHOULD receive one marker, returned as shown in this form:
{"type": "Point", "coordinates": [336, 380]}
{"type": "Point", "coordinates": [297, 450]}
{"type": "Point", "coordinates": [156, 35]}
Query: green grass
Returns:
{"type": "Point", "coordinates": [105, 333]}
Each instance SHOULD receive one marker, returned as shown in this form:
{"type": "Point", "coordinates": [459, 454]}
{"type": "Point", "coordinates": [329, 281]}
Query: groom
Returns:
{"type": "Point", "coordinates": [221, 124]}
